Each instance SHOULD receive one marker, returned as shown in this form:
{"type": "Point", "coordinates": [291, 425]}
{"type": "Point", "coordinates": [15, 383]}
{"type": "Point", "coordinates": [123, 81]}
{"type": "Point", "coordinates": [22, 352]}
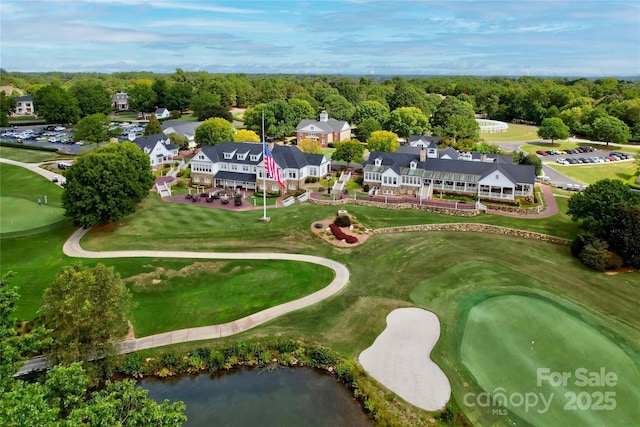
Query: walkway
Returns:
{"type": "Point", "coordinates": [34, 167]}
{"type": "Point", "coordinates": [72, 248]}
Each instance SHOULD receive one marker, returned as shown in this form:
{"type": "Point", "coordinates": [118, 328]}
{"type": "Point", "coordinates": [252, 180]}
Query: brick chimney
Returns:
{"type": "Point", "coordinates": [423, 154]}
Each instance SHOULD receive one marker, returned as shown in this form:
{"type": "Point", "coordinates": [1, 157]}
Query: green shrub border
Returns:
{"type": "Point", "coordinates": [286, 353]}
{"type": "Point", "coordinates": [28, 147]}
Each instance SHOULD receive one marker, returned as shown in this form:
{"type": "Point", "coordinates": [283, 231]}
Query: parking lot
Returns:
{"type": "Point", "coordinates": [51, 136]}
{"type": "Point", "coordinates": [583, 155]}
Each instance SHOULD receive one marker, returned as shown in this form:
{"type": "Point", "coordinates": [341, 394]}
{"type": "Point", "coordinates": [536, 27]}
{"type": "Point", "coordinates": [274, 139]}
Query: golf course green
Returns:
{"type": "Point", "coordinates": [20, 215]}
{"type": "Point", "coordinates": [546, 366]}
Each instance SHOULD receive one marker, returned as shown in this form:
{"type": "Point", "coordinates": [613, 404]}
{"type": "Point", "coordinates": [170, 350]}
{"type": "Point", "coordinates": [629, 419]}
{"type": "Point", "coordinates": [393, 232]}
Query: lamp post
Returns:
{"type": "Point", "coordinates": [329, 184]}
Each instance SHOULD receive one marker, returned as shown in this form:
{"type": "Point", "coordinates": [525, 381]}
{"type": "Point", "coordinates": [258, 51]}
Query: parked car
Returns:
{"type": "Point", "coordinates": [562, 161]}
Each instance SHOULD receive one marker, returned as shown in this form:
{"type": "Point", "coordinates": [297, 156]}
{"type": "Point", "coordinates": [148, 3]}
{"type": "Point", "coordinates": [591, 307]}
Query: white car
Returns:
{"type": "Point", "coordinates": [60, 128]}
{"type": "Point", "coordinates": [562, 161]}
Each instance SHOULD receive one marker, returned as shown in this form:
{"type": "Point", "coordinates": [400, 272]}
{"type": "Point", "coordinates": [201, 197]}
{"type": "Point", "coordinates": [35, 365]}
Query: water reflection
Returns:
{"type": "Point", "coordinates": [282, 397]}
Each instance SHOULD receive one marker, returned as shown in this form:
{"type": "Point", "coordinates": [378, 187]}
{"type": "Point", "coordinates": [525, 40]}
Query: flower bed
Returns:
{"type": "Point", "coordinates": [340, 235]}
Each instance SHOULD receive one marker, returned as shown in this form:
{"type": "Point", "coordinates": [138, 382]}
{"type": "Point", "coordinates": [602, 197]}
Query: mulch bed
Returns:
{"type": "Point", "coordinates": [324, 234]}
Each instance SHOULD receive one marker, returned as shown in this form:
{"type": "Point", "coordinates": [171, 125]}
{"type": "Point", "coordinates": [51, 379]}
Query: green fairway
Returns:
{"type": "Point", "coordinates": [20, 215]}
{"type": "Point", "coordinates": [173, 296]}
{"type": "Point", "coordinates": [446, 272]}
{"type": "Point", "coordinates": [514, 345]}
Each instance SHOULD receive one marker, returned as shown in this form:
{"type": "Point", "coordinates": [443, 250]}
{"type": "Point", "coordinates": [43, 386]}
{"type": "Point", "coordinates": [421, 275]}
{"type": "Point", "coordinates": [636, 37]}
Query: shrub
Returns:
{"type": "Point", "coordinates": [580, 242]}
{"type": "Point", "coordinates": [342, 221]}
{"type": "Point", "coordinates": [175, 114]}
{"type": "Point", "coordinates": [366, 188]}
{"type": "Point", "coordinates": [321, 356]}
{"type": "Point", "coordinates": [216, 361]}
{"type": "Point", "coordinates": [351, 239]}
{"type": "Point", "coordinates": [358, 180]}
{"type": "Point", "coordinates": [594, 255]}
{"type": "Point", "coordinates": [311, 179]}
{"type": "Point", "coordinates": [132, 363]}
{"type": "Point", "coordinates": [344, 371]}
{"type": "Point", "coordinates": [170, 359]}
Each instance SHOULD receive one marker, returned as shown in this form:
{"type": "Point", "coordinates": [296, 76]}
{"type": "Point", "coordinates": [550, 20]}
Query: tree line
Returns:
{"type": "Point", "coordinates": [367, 104]}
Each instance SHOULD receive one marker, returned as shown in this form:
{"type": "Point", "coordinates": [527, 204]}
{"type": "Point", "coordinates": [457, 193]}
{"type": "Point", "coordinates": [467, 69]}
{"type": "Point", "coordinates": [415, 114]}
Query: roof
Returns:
{"type": "Point", "coordinates": [236, 176]}
{"type": "Point", "coordinates": [182, 128]}
{"type": "Point", "coordinates": [25, 98]}
{"type": "Point", "coordinates": [286, 156]}
{"type": "Point", "coordinates": [149, 142]}
{"type": "Point", "coordinates": [161, 110]}
{"type": "Point", "coordinates": [331, 125]}
{"type": "Point", "coordinates": [447, 169]}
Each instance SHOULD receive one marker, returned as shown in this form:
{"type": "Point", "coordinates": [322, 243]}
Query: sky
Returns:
{"type": "Point", "coordinates": [360, 37]}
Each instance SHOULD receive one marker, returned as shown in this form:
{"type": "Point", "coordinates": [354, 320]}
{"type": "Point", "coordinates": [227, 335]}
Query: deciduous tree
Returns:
{"type": "Point", "coordinates": [56, 104]}
{"type": "Point", "coordinates": [142, 97]}
{"type": "Point", "coordinates": [383, 140]}
{"type": "Point", "coordinates": [7, 105]}
{"type": "Point", "coordinates": [106, 184]}
{"type": "Point", "coordinates": [553, 128]}
{"type": "Point", "coordinates": [310, 145]}
{"type": "Point", "coordinates": [407, 121]}
{"type": "Point", "coordinates": [370, 110]}
{"type": "Point", "coordinates": [214, 131]}
{"type": "Point", "coordinates": [348, 151]}
{"type": "Point", "coordinates": [87, 309]}
{"type": "Point", "coordinates": [455, 119]}
{"type": "Point", "coordinates": [93, 129]}
{"type": "Point", "coordinates": [246, 135]}
{"type": "Point", "coordinates": [610, 129]}
{"type": "Point", "coordinates": [179, 96]}
{"type": "Point", "coordinates": [92, 97]}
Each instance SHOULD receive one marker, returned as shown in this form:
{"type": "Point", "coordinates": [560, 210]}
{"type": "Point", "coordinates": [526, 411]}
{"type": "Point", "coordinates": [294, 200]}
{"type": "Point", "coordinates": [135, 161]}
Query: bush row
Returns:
{"type": "Point", "coordinates": [340, 235]}
{"type": "Point", "coordinates": [29, 147]}
{"type": "Point", "coordinates": [287, 353]}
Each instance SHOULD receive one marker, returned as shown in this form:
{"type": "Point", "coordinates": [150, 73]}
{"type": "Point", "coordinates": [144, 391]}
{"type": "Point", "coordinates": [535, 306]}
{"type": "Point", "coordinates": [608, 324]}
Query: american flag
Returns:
{"type": "Point", "coordinates": [271, 166]}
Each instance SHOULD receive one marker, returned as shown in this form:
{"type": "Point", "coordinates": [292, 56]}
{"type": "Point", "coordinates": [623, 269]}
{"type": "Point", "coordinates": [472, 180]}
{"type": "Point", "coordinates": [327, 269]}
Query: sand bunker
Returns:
{"type": "Point", "coordinates": [399, 359]}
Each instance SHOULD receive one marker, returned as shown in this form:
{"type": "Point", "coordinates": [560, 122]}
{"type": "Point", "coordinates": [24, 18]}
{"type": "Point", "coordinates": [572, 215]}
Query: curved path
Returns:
{"type": "Point", "coordinates": [72, 248]}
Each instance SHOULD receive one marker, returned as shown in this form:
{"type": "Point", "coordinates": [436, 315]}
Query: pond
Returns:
{"type": "Point", "coordinates": [251, 397]}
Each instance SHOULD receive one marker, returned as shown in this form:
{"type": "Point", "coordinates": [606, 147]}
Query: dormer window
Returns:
{"type": "Point", "coordinates": [378, 161]}
{"type": "Point", "coordinates": [255, 157]}
{"type": "Point", "coordinates": [228, 155]}
{"type": "Point", "coordinates": [413, 164]}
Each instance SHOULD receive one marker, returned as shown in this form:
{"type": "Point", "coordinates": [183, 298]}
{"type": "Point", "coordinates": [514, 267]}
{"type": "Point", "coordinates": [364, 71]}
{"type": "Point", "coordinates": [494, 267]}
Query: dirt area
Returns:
{"type": "Point", "coordinates": [324, 233]}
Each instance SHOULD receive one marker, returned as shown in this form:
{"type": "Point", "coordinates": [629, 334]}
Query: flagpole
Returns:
{"type": "Point", "coordinates": [264, 190]}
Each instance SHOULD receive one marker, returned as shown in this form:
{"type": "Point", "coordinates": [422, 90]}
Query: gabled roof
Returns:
{"type": "Point", "coordinates": [25, 98]}
{"type": "Point", "coordinates": [161, 111]}
{"type": "Point", "coordinates": [331, 125]}
{"type": "Point", "coordinates": [446, 169]}
{"type": "Point", "coordinates": [427, 140]}
{"type": "Point", "coordinates": [286, 156]}
{"type": "Point", "coordinates": [149, 142]}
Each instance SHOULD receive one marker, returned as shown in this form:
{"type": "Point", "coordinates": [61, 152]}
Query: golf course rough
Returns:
{"type": "Point", "coordinates": [537, 361]}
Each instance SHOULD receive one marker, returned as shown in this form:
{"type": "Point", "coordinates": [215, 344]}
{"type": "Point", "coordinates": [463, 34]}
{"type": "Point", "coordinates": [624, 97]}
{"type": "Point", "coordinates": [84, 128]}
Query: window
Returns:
{"type": "Point", "coordinates": [245, 168]}
{"type": "Point", "coordinates": [228, 155]}
{"type": "Point", "coordinates": [234, 167]}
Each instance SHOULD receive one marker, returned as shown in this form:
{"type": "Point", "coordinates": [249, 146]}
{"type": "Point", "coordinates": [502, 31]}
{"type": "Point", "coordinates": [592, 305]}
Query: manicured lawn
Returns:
{"type": "Point", "coordinates": [209, 293]}
{"type": "Point", "coordinates": [29, 156]}
{"type": "Point", "coordinates": [507, 339]}
{"type": "Point", "coordinates": [446, 272]}
{"type": "Point", "coordinates": [591, 173]}
{"type": "Point", "coordinates": [514, 133]}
